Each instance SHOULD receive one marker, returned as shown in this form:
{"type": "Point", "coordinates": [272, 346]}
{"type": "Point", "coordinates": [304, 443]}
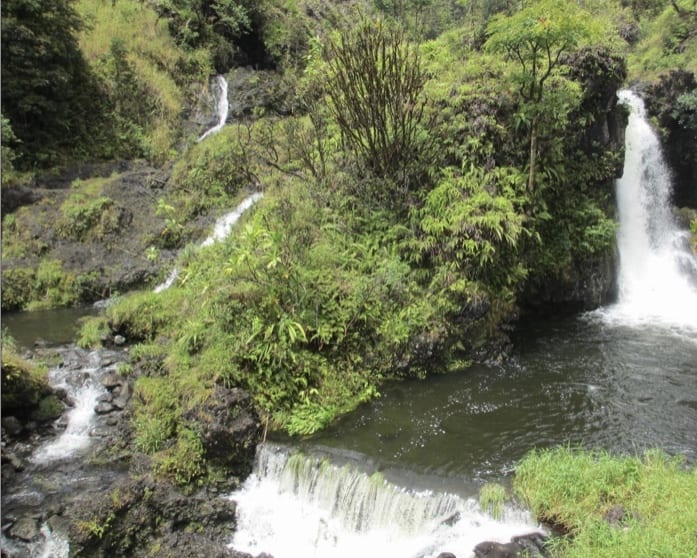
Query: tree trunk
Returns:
{"type": "Point", "coordinates": [533, 154]}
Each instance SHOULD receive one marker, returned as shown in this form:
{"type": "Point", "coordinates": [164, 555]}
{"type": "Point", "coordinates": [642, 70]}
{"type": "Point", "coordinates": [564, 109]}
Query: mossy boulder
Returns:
{"type": "Point", "coordinates": [229, 429]}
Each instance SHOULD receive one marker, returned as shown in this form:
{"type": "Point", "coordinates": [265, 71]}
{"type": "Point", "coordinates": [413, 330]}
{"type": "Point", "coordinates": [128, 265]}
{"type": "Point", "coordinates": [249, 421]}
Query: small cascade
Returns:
{"type": "Point", "coordinates": [224, 225]}
{"type": "Point", "coordinates": [222, 107]}
{"type": "Point", "coordinates": [658, 271]}
{"type": "Point", "coordinates": [84, 388]}
{"type": "Point", "coordinates": [296, 505]}
{"type": "Point", "coordinates": [221, 230]}
{"type": "Point", "coordinates": [50, 545]}
{"type": "Point", "coordinates": [167, 283]}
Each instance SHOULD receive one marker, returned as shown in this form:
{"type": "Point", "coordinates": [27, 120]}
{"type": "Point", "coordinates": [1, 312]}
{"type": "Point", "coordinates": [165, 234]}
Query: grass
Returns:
{"type": "Point", "coordinates": [492, 497]}
{"type": "Point", "coordinates": [612, 506]}
{"type": "Point", "coordinates": [160, 67]}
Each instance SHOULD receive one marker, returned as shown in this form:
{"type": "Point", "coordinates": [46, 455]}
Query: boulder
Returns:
{"type": "Point", "coordinates": [25, 529]}
{"type": "Point", "coordinates": [229, 428]}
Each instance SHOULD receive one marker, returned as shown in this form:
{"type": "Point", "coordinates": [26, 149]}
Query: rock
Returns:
{"type": "Point", "coordinates": [615, 515]}
{"type": "Point", "coordinates": [491, 549]}
{"type": "Point", "coordinates": [148, 514]}
{"type": "Point", "coordinates": [11, 458]}
{"type": "Point", "coordinates": [119, 340]}
{"type": "Point", "coordinates": [230, 429]}
{"type": "Point", "coordinates": [12, 425]}
{"type": "Point", "coordinates": [124, 395]}
{"type": "Point", "coordinates": [111, 380]}
{"type": "Point", "coordinates": [446, 555]}
{"type": "Point", "coordinates": [531, 545]}
{"type": "Point", "coordinates": [105, 398]}
{"type": "Point", "coordinates": [25, 529]}
{"type": "Point", "coordinates": [58, 523]}
{"type": "Point", "coordinates": [103, 408]}
{"type": "Point", "coordinates": [49, 408]}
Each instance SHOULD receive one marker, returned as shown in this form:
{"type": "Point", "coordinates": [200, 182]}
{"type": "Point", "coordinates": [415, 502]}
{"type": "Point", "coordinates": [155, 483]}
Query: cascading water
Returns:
{"type": "Point", "coordinates": [658, 271]}
{"type": "Point", "coordinates": [222, 229]}
{"type": "Point", "coordinates": [83, 387]}
{"type": "Point", "coordinates": [222, 107]}
{"type": "Point", "coordinates": [297, 505]}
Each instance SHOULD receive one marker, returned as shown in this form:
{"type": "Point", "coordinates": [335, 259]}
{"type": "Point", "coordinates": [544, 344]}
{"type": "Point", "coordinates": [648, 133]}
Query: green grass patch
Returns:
{"type": "Point", "coordinates": [613, 506]}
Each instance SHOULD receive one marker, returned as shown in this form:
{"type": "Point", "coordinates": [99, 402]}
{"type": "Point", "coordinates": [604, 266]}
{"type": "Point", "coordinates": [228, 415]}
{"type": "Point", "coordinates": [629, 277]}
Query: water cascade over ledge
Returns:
{"type": "Point", "coordinates": [297, 505]}
{"type": "Point", "coordinates": [658, 271]}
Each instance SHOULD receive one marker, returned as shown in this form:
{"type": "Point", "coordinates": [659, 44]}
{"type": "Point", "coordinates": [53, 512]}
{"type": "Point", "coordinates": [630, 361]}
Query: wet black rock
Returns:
{"type": "Point", "coordinates": [229, 428]}
{"type": "Point", "coordinates": [531, 545]}
{"type": "Point", "coordinates": [145, 517]}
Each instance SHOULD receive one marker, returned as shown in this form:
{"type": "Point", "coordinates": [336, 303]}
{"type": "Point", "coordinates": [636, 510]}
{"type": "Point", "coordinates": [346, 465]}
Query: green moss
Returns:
{"type": "Point", "coordinates": [48, 408]}
{"type": "Point", "coordinates": [24, 383]}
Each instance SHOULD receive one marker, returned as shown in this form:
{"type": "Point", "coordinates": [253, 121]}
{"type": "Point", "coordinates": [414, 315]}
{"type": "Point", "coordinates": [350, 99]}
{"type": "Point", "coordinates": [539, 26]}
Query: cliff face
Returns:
{"type": "Point", "coordinates": [673, 102]}
{"type": "Point", "coordinates": [581, 278]}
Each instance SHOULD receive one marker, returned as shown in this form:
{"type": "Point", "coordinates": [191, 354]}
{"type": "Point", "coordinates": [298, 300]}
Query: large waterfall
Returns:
{"type": "Point", "coordinates": [298, 506]}
{"type": "Point", "coordinates": [658, 271]}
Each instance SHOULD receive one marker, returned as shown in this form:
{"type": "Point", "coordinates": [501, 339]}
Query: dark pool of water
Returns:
{"type": "Point", "coordinates": [55, 327]}
{"type": "Point", "coordinates": [570, 381]}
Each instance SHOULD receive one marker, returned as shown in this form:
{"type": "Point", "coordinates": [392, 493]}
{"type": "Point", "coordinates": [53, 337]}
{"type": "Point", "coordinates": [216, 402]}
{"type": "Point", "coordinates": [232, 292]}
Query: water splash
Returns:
{"type": "Point", "coordinates": [222, 107]}
{"type": "Point", "coordinates": [296, 505]}
{"type": "Point", "coordinates": [658, 272]}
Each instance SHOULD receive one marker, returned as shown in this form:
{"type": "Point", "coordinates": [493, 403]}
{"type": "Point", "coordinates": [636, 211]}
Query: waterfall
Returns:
{"type": "Point", "coordinates": [222, 107]}
{"type": "Point", "coordinates": [297, 505]}
{"type": "Point", "coordinates": [84, 388]}
{"type": "Point", "coordinates": [221, 230]}
{"type": "Point", "coordinates": [658, 271]}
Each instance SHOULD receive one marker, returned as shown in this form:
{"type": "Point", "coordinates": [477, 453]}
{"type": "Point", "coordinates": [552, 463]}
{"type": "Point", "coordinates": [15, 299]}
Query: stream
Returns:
{"type": "Point", "coordinates": [400, 475]}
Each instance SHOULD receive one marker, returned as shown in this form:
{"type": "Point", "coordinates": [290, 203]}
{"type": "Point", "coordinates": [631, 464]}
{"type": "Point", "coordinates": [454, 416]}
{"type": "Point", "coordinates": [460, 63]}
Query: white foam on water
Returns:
{"type": "Point", "coordinates": [658, 271]}
{"type": "Point", "coordinates": [297, 506]}
{"type": "Point", "coordinates": [84, 388]}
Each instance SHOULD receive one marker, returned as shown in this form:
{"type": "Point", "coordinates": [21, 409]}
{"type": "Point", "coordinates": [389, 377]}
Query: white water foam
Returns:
{"type": "Point", "coordinates": [221, 230]}
{"type": "Point", "coordinates": [84, 388]}
{"type": "Point", "coordinates": [299, 506]}
{"type": "Point", "coordinates": [222, 107]}
{"type": "Point", "coordinates": [51, 545]}
{"type": "Point", "coordinates": [658, 271]}
{"type": "Point", "coordinates": [224, 225]}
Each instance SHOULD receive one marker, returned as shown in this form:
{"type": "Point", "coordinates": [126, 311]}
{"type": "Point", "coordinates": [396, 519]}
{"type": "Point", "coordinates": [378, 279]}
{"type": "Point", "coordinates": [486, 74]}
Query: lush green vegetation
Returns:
{"type": "Point", "coordinates": [437, 161]}
{"type": "Point", "coordinates": [397, 233]}
{"type": "Point", "coordinates": [24, 383]}
{"type": "Point", "coordinates": [612, 506]}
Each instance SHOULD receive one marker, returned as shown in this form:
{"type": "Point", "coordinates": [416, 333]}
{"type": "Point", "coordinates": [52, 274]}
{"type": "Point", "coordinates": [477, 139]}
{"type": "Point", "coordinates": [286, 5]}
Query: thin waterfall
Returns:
{"type": "Point", "coordinates": [222, 107]}
{"type": "Point", "coordinates": [221, 230]}
{"type": "Point", "coordinates": [658, 271]}
{"type": "Point", "coordinates": [296, 506]}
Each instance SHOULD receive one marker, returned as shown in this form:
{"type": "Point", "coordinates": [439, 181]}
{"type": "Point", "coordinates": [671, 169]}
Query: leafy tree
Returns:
{"type": "Point", "coordinates": [537, 38]}
{"type": "Point", "coordinates": [48, 93]}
